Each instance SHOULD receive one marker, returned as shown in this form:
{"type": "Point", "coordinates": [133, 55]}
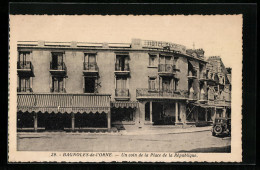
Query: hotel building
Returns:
{"type": "Point", "coordinates": [77, 85]}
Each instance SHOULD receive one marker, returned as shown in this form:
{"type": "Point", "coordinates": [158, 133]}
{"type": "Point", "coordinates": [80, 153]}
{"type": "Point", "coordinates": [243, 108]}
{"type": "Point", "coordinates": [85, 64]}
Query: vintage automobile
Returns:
{"type": "Point", "coordinates": [221, 126]}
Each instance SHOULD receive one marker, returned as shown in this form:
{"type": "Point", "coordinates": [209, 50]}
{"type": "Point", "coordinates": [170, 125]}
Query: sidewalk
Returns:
{"type": "Point", "coordinates": [152, 131]}
{"type": "Point", "coordinates": [159, 131]}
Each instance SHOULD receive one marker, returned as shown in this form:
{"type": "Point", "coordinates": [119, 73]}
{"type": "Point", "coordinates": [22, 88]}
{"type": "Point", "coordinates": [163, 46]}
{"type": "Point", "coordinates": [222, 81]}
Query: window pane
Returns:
{"type": "Point", "coordinates": [92, 58]}
{"type": "Point", "coordinates": [152, 60]}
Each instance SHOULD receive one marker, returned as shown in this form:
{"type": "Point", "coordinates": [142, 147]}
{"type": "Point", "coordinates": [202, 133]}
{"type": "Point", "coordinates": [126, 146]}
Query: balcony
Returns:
{"type": "Point", "coordinates": [222, 102]}
{"type": "Point", "coordinates": [160, 94]}
{"type": "Point", "coordinates": [62, 90]}
{"type": "Point", "coordinates": [192, 74]}
{"type": "Point", "coordinates": [25, 68]}
{"type": "Point", "coordinates": [193, 96]}
{"type": "Point", "coordinates": [58, 68]}
{"type": "Point", "coordinates": [90, 69]}
{"type": "Point", "coordinates": [24, 89]}
{"type": "Point", "coordinates": [122, 94]}
{"type": "Point", "coordinates": [122, 70]}
{"type": "Point", "coordinates": [166, 69]}
{"type": "Point", "coordinates": [203, 98]}
{"type": "Point", "coordinates": [203, 77]}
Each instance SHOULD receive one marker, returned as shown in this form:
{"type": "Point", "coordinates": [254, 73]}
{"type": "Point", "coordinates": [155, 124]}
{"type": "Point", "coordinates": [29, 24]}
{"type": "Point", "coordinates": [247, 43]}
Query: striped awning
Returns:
{"type": "Point", "coordinates": [63, 103]}
{"type": "Point", "coordinates": [124, 104]}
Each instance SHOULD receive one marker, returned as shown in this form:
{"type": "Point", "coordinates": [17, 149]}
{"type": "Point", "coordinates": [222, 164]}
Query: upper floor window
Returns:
{"type": "Point", "coordinates": [58, 84]}
{"type": "Point", "coordinates": [122, 63]}
{"type": "Point", "coordinates": [24, 84]}
{"type": "Point", "coordinates": [24, 56]}
{"type": "Point", "coordinates": [121, 82]}
{"type": "Point", "coordinates": [57, 61]}
{"type": "Point", "coordinates": [90, 85]}
{"type": "Point", "coordinates": [24, 60]}
{"type": "Point", "coordinates": [151, 83]}
{"type": "Point", "coordinates": [166, 59]}
{"type": "Point", "coordinates": [152, 60]}
{"type": "Point", "coordinates": [90, 62]}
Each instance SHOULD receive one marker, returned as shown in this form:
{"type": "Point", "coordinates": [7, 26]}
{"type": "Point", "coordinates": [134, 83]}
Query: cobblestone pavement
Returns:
{"type": "Point", "coordinates": [86, 142]}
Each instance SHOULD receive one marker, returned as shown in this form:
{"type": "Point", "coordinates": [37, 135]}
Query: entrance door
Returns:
{"type": "Point", "coordinates": [90, 84]}
{"type": "Point", "coordinates": [157, 113]}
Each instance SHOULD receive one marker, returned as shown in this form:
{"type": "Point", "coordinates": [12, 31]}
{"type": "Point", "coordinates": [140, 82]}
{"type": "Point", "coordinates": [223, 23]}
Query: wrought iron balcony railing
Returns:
{"type": "Point", "coordinates": [203, 97]}
{"type": "Point", "coordinates": [58, 66]}
{"type": "Point", "coordinates": [90, 66]}
{"type": "Point", "coordinates": [122, 92]}
{"type": "Point", "coordinates": [143, 92]}
{"type": "Point", "coordinates": [166, 68]}
{"type": "Point", "coordinates": [193, 96]}
{"type": "Point", "coordinates": [24, 89]}
{"type": "Point", "coordinates": [25, 66]}
{"type": "Point", "coordinates": [122, 68]}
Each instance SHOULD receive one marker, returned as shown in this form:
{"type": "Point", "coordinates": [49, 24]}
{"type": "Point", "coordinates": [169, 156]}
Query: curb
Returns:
{"type": "Point", "coordinates": [160, 133]}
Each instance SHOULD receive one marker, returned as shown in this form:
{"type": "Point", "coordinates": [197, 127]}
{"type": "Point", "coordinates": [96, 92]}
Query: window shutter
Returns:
{"type": "Point", "coordinates": [27, 84]}
{"type": "Point", "coordinates": [61, 83]}
{"type": "Point", "coordinates": [28, 56]}
{"type": "Point", "coordinates": [18, 80]}
{"type": "Point", "coordinates": [64, 83]}
{"type": "Point", "coordinates": [31, 81]}
{"type": "Point", "coordinates": [83, 84]}
{"type": "Point", "coordinates": [50, 79]}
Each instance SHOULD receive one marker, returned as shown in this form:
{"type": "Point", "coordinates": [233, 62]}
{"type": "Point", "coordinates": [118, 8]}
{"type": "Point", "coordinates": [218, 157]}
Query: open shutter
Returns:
{"type": "Point", "coordinates": [60, 60]}
{"type": "Point", "coordinates": [83, 84]}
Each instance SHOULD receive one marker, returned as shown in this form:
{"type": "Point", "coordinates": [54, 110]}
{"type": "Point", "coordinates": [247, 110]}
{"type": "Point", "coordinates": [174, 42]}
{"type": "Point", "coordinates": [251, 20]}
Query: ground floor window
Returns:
{"type": "Point", "coordinates": [201, 114]}
{"type": "Point", "coordinates": [91, 120]}
{"type": "Point", "coordinates": [25, 120]}
{"type": "Point", "coordinates": [122, 114]}
{"type": "Point", "coordinates": [54, 121]}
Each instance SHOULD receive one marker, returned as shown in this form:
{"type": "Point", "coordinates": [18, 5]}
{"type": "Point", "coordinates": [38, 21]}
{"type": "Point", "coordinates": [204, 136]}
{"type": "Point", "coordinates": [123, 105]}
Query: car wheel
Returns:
{"type": "Point", "coordinates": [217, 129]}
{"type": "Point", "coordinates": [213, 134]}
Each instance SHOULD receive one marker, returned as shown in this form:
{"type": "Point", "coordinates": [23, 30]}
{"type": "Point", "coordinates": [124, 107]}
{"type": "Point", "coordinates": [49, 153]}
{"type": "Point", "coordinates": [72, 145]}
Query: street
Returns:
{"type": "Point", "coordinates": [87, 142]}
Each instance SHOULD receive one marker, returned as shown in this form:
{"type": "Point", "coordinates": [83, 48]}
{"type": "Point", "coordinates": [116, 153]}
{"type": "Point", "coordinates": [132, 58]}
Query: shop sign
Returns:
{"type": "Point", "coordinates": [162, 44]}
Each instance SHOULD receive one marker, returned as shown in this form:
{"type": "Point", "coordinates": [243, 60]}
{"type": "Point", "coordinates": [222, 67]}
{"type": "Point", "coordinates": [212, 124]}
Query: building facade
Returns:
{"type": "Point", "coordinates": [76, 85]}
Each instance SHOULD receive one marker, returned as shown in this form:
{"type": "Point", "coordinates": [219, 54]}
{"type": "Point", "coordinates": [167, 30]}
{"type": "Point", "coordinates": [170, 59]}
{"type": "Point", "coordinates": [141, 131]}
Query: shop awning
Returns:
{"type": "Point", "coordinates": [63, 103]}
{"type": "Point", "coordinates": [90, 103]}
{"type": "Point", "coordinates": [124, 104]}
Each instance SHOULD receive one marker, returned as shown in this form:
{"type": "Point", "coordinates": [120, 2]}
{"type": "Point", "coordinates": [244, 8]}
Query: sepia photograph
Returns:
{"type": "Point", "coordinates": [152, 88]}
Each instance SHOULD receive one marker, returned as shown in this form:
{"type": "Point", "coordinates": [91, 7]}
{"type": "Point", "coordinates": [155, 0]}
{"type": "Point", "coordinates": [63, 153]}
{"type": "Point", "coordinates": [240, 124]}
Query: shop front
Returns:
{"type": "Point", "coordinates": [63, 111]}
{"type": "Point", "coordinates": [123, 113]}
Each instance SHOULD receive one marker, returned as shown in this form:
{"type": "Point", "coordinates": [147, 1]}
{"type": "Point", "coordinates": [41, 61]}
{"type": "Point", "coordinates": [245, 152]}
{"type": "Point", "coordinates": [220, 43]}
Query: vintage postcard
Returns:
{"type": "Point", "coordinates": [148, 88]}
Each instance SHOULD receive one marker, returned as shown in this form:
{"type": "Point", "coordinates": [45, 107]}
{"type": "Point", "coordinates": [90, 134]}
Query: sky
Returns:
{"type": "Point", "coordinates": [218, 35]}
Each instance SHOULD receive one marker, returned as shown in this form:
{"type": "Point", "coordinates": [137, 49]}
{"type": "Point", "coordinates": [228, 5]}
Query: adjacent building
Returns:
{"type": "Point", "coordinates": [77, 85]}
